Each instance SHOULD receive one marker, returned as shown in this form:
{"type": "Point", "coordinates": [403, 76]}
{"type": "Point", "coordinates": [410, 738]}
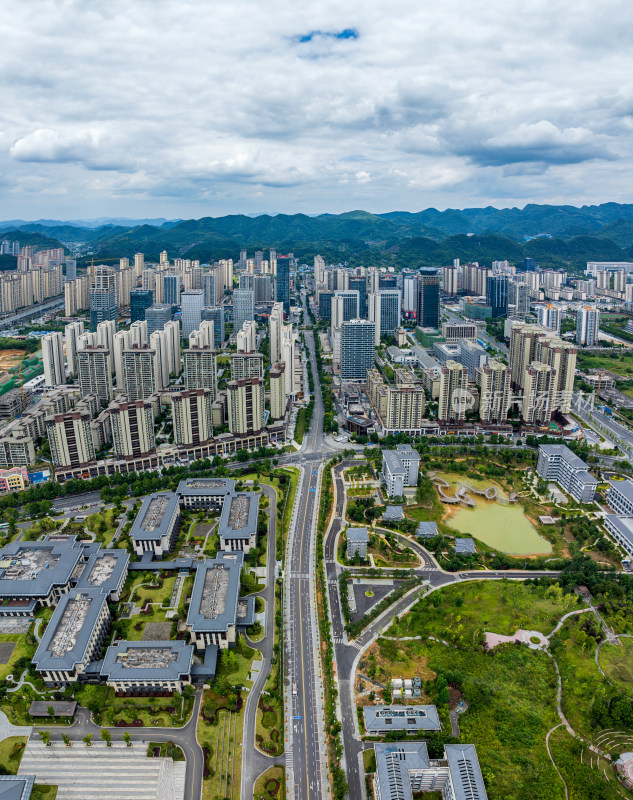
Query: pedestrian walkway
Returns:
{"type": "Point", "coordinates": [7, 729]}
{"type": "Point", "coordinates": [104, 773]}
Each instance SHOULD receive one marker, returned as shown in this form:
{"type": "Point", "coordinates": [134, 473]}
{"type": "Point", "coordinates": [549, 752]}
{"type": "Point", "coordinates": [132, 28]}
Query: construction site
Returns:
{"type": "Point", "coordinates": [216, 585]}
{"type": "Point", "coordinates": [65, 636]}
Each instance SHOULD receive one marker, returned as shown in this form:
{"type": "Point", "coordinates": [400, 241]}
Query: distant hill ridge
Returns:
{"type": "Point", "coordinates": [569, 235]}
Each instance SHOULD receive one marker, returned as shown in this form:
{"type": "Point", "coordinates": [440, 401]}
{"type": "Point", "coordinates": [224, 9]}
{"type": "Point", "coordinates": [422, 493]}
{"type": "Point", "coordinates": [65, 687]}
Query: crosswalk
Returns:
{"type": "Point", "coordinates": [357, 645]}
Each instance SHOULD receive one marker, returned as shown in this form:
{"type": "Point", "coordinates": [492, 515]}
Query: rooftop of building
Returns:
{"type": "Point", "coordinates": [427, 529]}
{"type": "Point", "coordinates": [398, 717]}
{"type": "Point", "coordinates": [359, 535]}
{"type": "Point", "coordinates": [623, 525]}
{"type": "Point", "coordinates": [564, 452]}
{"type": "Point", "coordinates": [104, 570]}
{"type": "Point", "coordinates": [239, 516]}
{"type": "Point", "coordinates": [465, 546]}
{"type": "Point", "coordinates": [393, 514]}
{"type": "Point", "coordinates": [215, 594]}
{"type": "Point", "coordinates": [16, 787]}
{"type": "Point", "coordinates": [625, 488]}
{"type": "Point", "coordinates": [32, 569]}
{"type": "Point", "coordinates": [68, 634]}
{"type": "Point", "coordinates": [394, 762]}
{"type": "Point", "coordinates": [147, 661]}
{"type": "Point", "coordinates": [154, 519]}
{"type": "Point", "coordinates": [219, 487]}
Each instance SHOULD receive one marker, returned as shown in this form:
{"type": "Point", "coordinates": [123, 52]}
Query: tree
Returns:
{"type": "Point", "coordinates": [107, 737]}
{"type": "Point", "coordinates": [88, 740]}
{"type": "Point", "coordinates": [127, 739]}
{"type": "Point", "coordinates": [66, 739]}
{"type": "Point", "coordinates": [46, 737]}
{"type": "Point", "coordinates": [50, 711]}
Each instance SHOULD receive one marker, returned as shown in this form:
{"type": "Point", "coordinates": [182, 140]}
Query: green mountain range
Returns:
{"type": "Point", "coordinates": [552, 235]}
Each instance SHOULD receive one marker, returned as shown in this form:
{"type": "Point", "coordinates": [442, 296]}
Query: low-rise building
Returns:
{"type": "Point", "coordinates": [621, 528]}
{"type": "Point", "coordinates": [427, 530]}
{"type": "Point", "coordinates": [393, 514]}
{"type": "Point", "coordinates": [413, 719]}
{"type": "Point", "coordinates": [557, 463]}
{"type": "Point", "coordinates": [212, 615]}
{"type": "Point", "coordinates": [620, 497]}
{"type": "Point", "coordinates": [357, 542]}
{"type": "Point", "coordinates": [15, 479]}
{"type": "Point", "coordinates": [34, 574]}
{"type": "Point", "coordinates": [403, 768]}
{"type": "Point", "coordinates": [465, 546]}
{"type": "Point", "coordinates": [206, 493]}
{"type": "Point", "coordinates": [74, 636]}
{"type": "Point", "coordinates": [147, 668]}
{"type": "Point", "coordinates": [237, 528]}
{"type": "Point", "coordinates": [400, 469]}
{"type": "Point", "coordinates": [155, 526]}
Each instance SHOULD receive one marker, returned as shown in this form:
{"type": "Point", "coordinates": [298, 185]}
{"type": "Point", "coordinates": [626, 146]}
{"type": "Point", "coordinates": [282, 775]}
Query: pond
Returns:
{"type": "Point", "coordinates": [502, 527]}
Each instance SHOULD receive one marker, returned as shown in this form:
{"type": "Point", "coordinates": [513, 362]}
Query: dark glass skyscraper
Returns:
{"type": "Point", "coordinates": [428, 306]}
{"type": "Point", "coordinates": [171, 290]}
{"type": "Point", "coordinates": [140, 301]}
{"type": "Point", "coordinates": [359, 284]}
{"type": "Point", "coordinates": [282, 290]}
{"type": "Point", "coordinates": [497, 294]}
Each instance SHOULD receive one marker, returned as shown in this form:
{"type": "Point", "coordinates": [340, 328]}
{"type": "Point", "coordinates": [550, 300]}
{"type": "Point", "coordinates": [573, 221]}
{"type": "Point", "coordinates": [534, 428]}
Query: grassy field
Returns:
{"type": "Point", "coordinates": [620, 362]}
{"type": "Point", "coordinates": [585, 775]}
{"type": "Point", "coordinates": [11, 750]}
{"type": "Point", "coordinates": [460, 614]}
{"type": "Point", "coordinates": [617, 663]}
{"type": "Point", "coordinates": [271, 785]}
{"type": "Point", "coordinates": [300, 426]}
{"type": "Point", "coordinates": [21, 650]}
{"type": "Point", "coordinates": [104, 524]}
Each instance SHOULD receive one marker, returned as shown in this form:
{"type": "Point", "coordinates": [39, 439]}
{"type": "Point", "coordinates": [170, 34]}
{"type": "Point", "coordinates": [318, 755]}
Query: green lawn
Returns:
{"type": "Point", "coordinates": [271, 785]}
{"type": "Point", "coordinates": [21, 650]}
{"type": "Point", "coordinates": [300, 426]}
{"type": "Point", "coordinates": [620, 362]}
{"type": "Point", "coordinates": [11, 750]}
{"type": "Point", "coordinates": [617, 663]}
{"type": "Point", "coordinates": [461, 613]}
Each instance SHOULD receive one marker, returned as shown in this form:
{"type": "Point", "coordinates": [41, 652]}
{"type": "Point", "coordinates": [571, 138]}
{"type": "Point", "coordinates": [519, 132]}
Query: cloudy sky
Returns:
{"type": "Point", "coordinates": [185, 108]}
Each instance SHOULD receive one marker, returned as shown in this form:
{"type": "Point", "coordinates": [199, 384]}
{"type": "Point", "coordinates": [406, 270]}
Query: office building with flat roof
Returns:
{"type": "Point", "coordinates": [73, 637]}
{"type": "Point", "coordinates": [147, 667]}
{"type": "Point", "coordinates": [237, 528]}
{"type": "Point", "coordinates": [105, 570]}
{"type": "Point", "coordinates": [191, 304]}
{"type": "Point", "coordinates": [412, 719]}
{"type": "Point", "coordinates": [404, 768]}
{"type": "Point", "coordinates": [212, 615]}
{"type": "Point", "coordinates": [620, 496]}
{"type": "Point", "coordinates": [34, 574]}
{"type": "Point", "coordinates": [243, 307]}
{"type": "Point", "coordinates": [206, 493]}
{"type": "Point", "coordinates": [155, 526]}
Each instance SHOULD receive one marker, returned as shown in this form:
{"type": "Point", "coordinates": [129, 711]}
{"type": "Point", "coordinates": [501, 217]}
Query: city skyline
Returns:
{"type": "Point", "coordinates": [319, 111]}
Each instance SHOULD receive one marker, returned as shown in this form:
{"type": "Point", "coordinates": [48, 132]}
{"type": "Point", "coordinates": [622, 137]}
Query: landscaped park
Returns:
{"type": "Point", "coordinates": [529, 747]}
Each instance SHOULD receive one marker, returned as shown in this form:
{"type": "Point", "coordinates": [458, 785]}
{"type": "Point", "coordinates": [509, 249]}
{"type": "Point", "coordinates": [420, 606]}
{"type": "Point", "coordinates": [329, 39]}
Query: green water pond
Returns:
{"type": "Point", "coordinates": [502, 527]}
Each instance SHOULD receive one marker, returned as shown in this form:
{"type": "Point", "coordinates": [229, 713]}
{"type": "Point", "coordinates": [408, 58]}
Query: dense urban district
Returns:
{"type": "Point", "coordinates": [314, 530]}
